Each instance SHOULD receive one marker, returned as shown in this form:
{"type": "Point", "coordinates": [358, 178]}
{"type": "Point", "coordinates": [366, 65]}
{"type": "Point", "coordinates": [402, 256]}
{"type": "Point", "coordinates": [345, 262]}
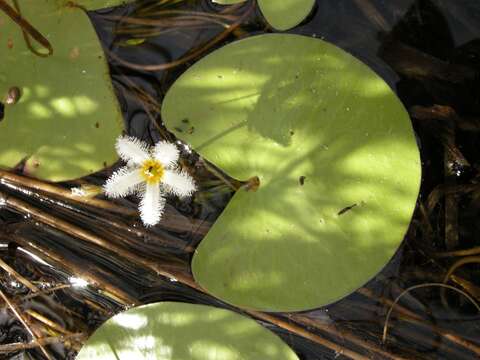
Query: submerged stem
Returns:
{"type": "Point", "coordinates": [193, 54]}
{"type": "Point", "coordinates": [385, 327]}
{"type": "Point", "coordinates": [19, 277]}
{"type": "Point", "coordinates": [234, 185]}
{"type": "Point", "coordinates": [252, 184]}
{"type": "Point", "coordinates": [59, 261]}
{"type": "Point", "coordinates": [168, 271]}
{"type": "Point", "coordinates": [467, 252]}
{"type": "Point", "coordinates": [64, 193]}
{"type": "Point", "coordinates": [173, 221]}
{"type": "Point", "coordinates": [24, 323]}
{"type": "Point", "coordinates": [14, 347]}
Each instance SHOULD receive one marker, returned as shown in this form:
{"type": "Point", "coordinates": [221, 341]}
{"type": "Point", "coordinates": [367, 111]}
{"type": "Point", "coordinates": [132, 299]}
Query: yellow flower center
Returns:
{"type": "Point", "coordinates": [152, 171]}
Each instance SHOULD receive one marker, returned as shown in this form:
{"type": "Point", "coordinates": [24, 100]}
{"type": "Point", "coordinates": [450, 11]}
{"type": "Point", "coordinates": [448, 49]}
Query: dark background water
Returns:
{"type": "Point", "coordinates": [428, 51]}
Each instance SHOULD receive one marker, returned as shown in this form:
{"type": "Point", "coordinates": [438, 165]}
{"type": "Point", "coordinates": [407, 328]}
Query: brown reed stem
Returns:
{"type": "Point", "coordinates": [57, 191]}
{"type": "Point", "coordinates": [39, 342]}
{"type": "Point", "coordinates": [171, 221]}
{"type": "Point", "coordinates": [27, 28]}
{"type": "Point", "coordinates": [342, 334]}
{"type": "Point", "coordinates": [174, 272]}
{"type": "Point", "coordinates": [80, 271]}
{"type": "Point", "coordinates": [19, 277]}
{"type": "Point", "coordinates": [46, 321]}
{"type": "Point", "coordinates": [467, 252]}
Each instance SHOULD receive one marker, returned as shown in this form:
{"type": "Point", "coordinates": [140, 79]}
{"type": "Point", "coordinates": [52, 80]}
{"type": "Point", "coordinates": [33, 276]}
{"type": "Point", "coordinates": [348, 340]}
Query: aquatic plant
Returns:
{"type": "Point", "coordinates": [56, 231]}
{"type": "Point", "coordinates": [151, 173]}
{"type": "Point", "coordinates": [172, 330]}
{"type": "Point", "coordinates": [65, 111]}
{"type": "Point", "coordinates": [336, 158]}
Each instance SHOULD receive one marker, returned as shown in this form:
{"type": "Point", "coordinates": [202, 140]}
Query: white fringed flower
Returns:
{"type": "Point", "coordinates": [151, 173]}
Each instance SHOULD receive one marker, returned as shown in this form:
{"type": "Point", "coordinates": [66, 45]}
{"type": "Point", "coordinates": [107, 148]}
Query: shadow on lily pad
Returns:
{"type": "Point", "coordinates": [67, 118]}
{"type": "Point", "coordinates": [181, 331]}
{"type": "Point", "coordinates": [338, 164]}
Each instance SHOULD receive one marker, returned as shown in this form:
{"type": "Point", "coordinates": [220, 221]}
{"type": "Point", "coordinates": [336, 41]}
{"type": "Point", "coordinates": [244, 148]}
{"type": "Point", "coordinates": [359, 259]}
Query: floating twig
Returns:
{"type": "Point", "coordinates": [27, 28]}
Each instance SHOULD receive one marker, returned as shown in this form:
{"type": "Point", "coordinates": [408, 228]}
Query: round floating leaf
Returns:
{"type": "Point", "coordinates": [183, 332]}
{"type": "Point", "coordinates": [337, 159]}
{"type": "Point", "coordinates": [282, 15]}
{"type": "Point", "coordinates": [67, 117]}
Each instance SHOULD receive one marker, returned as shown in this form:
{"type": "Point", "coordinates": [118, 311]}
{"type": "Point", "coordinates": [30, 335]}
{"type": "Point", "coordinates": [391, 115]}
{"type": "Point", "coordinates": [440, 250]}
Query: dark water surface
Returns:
{"type": "Point", "coordinates": [429, 53]}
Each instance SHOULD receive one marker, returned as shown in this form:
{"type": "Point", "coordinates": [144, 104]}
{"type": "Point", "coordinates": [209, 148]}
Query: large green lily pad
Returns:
{"type": "Point", "coordinates": [183, 332]}
{"type": "Point", "coordinates": [281, 14]}
{"type": "Point", "coordinates": [337, 159]}
{"type": "Point", "coordinates": [67, 119]}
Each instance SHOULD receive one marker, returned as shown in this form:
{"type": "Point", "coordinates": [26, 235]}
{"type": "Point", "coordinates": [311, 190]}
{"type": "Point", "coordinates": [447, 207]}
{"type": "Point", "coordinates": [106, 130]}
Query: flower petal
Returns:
{"type": "Point", "coordinates": [179, 183]}
{"type": "Point", "coordinates": [123, 182]}
{"type": "Point", "coordinates": [132, 150]}
{"type": "Point", "coordinates": [165, 152]}
{"type": "Point", "coordinates": [152, 204]}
